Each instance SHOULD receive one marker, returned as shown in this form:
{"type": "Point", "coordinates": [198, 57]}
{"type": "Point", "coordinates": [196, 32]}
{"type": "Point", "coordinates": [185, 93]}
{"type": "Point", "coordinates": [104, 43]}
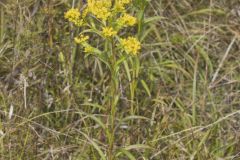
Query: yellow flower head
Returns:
{"type": "Point", "coordinates": [81, 39]}
{"type": "Point", "coordinates": [131, 45]}
{"type": "Point", "coordinates": [100, 8]}
{"type": "Point", "coordinates": [74, 16]}
{"type": "Point", "coordinates": [120, 4]}
{"type": "Point", "coordinates": [108, 32]}
{"type": "Point", "coordinates": [88, 49]}
{"type": "Point", "coordinates": [127, 20]}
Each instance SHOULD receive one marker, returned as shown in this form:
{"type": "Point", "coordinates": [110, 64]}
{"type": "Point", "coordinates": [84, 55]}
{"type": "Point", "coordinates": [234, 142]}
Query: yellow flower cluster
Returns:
{"type": "Point", "coordinates": [120, 4]}
{"type": "Point", "coordinates": [131, 45]}
{"type": "Point", "coordinates": [88, 49]}
{"type": "Point", "coordinates": [108, 32]}
{"type": "Point", "coordinates": [74, 16]}
{"type": "Point", "coordinates": [100, 8]}
{"type": "Point", "coordinates": [81, 38]}
{"type": "Point", "coordinates": [112, 16]}
{"type": "Point", "coordinates": [127, 20]}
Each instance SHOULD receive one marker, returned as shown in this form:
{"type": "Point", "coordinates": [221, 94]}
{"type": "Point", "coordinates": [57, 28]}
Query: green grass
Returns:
{"type": "Point", "coordinates": [178, 100]}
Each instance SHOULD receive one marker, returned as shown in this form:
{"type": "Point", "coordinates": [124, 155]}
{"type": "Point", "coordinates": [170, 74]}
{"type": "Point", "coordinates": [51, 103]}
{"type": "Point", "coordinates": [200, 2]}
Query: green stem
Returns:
{"type": "Point", "coordinates": [133, 85]}
{"type": "Point", "coordinates": [112, 101]}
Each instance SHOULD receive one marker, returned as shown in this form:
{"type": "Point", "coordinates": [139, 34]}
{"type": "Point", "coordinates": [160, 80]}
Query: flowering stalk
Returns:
{"type": "Point", "coordinates": [107, 19]}
{"type": "Point", "coordinates": [114, 97]}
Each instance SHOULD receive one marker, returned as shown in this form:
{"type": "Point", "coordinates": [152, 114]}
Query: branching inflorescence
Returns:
{"type": "Point", "coordinates": [111, 17]}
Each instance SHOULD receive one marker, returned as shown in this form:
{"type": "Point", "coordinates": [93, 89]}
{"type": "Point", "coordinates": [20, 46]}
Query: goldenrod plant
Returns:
{"type": "Point", "coordinates": [108, 21]}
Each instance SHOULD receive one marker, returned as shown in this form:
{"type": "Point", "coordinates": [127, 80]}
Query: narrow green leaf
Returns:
{"type": "Point", "coordinates": [103, 157]}
{"type": "Point", "coordinates": [145, 86]}
{"type": "Point", "coordinates": [153, 19]}
{"type": "Point", "coordinates": [137, 146]}
{"type": "Point", "coordinates": [127, 70]}
{"type": "Point", "coordinates": [127, 153]}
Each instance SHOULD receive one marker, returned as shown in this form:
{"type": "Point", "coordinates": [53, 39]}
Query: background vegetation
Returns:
{"type": "Point", "coordinates": [186, 97]}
